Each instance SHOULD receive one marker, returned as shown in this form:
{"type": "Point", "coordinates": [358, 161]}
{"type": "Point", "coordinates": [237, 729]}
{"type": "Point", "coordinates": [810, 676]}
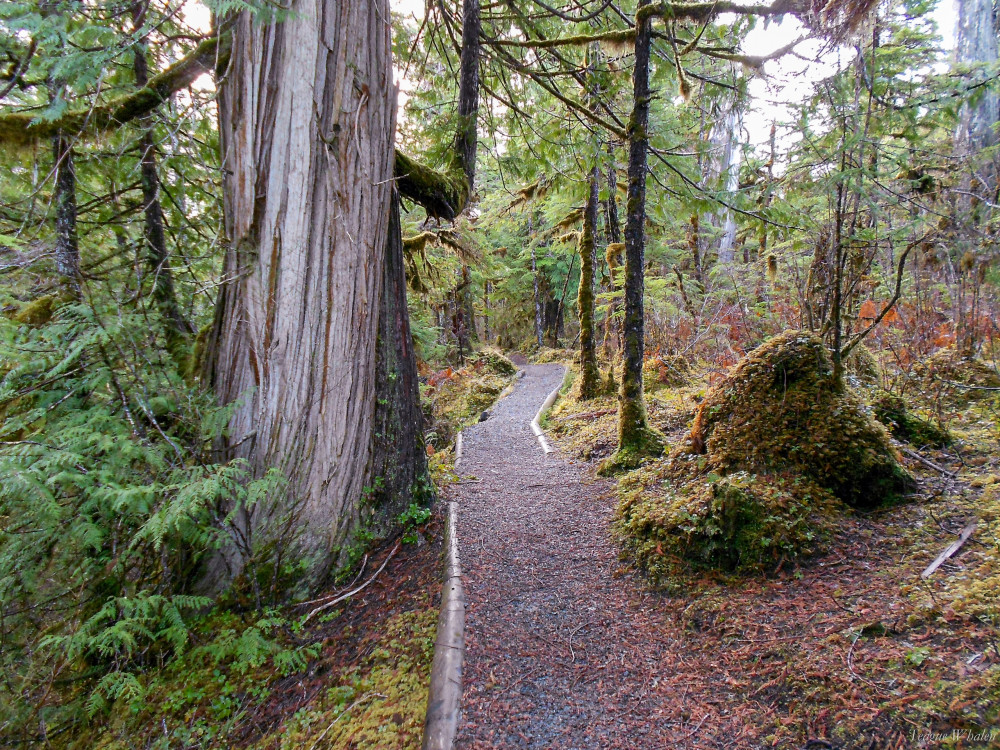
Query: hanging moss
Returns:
{"type": "Point", "coordinates": [782, 409]}
{"type": "Point", "coordinates": [904, 425]}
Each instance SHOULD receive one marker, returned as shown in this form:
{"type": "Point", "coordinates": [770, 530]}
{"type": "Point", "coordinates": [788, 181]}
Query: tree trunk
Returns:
{"type": "Point", "coordinates": [590, 375]}
{"type": "Point", "coordinates": [307, 114]}
{"type": "Point", "coordinates": [67, 250]}
{"type": "Point", "coordinates": [611, 328]}
{"type": "Point", "coordinates": [177, 328]}
{"type": "Point", "coordinates": [537, 293]}
{"type": "Point", "coordinates": [467, 137]}
{"type": "Point", "coordinates": [399, 464]}
{"type": "Point", "coordinates": [634, 435]}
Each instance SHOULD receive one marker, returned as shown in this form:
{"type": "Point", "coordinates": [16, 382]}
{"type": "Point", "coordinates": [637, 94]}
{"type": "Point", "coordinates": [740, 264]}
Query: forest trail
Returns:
{"type": "Point", "coordinates": [561, 653]}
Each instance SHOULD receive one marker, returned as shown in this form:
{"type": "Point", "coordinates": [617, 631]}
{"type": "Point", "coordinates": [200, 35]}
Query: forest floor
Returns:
{"type": "Point", "coordinates": [569, 647]}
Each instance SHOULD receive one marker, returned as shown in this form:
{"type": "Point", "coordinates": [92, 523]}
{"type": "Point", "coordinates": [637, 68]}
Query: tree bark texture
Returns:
{"type": "Point", "coordinates": [633, 427]}
{"type": "Point", "coordinates": [399, 464]}
{"type": "Point", "coordinates": [976, 44]}
{"type": "Point", "coordinates": [67, 250]}
{"type": "Point", "coordinates": [307, 117]}
{"type": "Point", "coordinates": [590, 375]}
{"type": "Point", "coordinates": [467, 137]}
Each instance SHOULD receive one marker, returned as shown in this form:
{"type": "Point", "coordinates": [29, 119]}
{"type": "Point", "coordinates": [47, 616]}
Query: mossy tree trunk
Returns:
{"type": "Point", "coordinates": [398, 472]}
{"type": "Point", "coordinates": [67, 249]}
{"type": "Point", "coordinates": [590, 376]}
{"type": "Point", "coordinates": [634, 435]}
{"type": "Point", "coordinates": [177, 329]}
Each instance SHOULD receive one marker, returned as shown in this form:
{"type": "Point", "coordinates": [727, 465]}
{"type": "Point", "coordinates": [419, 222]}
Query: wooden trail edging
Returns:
{"type": "Point", "coordinates": [445, 693]}
{"type": "Point", "coordinates": [536, 428]}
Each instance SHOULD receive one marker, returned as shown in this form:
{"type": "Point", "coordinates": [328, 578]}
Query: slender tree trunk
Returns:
{"type": "Point", "coordinates": [178, 330]}
{"type": "Point", "coordinates": [467, 137]}
{"type": "Point", "coordinates": [67, 250]}
{"type": "Point", "coordinates": [307, 116]}
{"type": "Point", "coordinates": [634, 435]}
{"type": "Point", "coordinates": [537, 292]}
{"type": "Point", "coordinates": [399, 463]}
{"type": "Point", "coordinates": [614, 231]}
{"type": "Point", "coordinates": [976, 45]}
{"type": "Point", "coordinates": [590, 375]}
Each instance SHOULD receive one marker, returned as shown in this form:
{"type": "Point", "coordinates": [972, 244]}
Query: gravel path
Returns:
{"type": "Point", "coordinates": [560, 652]}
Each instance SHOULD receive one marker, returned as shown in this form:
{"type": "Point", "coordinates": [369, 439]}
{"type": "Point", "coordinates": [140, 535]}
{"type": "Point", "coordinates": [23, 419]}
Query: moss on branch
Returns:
{"type": "Point", "coordinates": [22, 128]}
{"type": "Point", "coordinates": [443, 194]}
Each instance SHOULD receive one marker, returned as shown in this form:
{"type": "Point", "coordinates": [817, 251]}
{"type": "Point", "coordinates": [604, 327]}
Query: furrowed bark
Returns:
{"type": "Point", "coordinates": [307, 117]}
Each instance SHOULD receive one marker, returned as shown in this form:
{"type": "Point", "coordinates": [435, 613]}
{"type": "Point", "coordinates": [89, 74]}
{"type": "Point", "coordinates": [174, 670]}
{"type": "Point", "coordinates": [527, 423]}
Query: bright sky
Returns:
{"type": "Point", "coordinates": [785, 80]}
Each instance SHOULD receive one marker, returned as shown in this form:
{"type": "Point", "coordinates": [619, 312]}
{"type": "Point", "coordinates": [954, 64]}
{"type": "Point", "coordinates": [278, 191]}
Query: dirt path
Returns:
{"type": "Point", "coordinates": [558, 649]}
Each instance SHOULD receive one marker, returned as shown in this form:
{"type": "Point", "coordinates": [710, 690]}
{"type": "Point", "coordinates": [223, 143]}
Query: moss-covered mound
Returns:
{"type": "Point", "coordinates": [741, 522]}
{"type": "Point", "coordinates": [666, 370]}
{"type": "Point", "coordinates": [456, 398]}
{"type": "Point", "coordinates": [495, 361]}
{"type": "Point", "coordinates": [783, 410]}
{"type": "Point", "coordinates": [948, 377]}
{"type": "Point", "coordinates": [905, 425]}
{"type": "Point", "coordinates": [863, 366]}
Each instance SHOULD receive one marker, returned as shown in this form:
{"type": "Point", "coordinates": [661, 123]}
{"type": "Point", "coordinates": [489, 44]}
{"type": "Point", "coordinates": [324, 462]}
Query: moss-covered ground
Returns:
{"type": "Point", "coordinates": [834, 638]}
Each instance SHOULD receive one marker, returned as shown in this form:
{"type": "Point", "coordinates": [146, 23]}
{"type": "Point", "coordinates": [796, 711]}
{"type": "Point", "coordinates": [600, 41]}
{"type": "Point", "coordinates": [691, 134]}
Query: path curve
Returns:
{"type": "Point", "coordinates": [559, 652]}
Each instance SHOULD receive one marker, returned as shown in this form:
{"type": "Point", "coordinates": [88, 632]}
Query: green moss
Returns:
{"type": "Point", "coordinates": [646, 443]}
{"type": "Point", "coordinates": [496, 362]}
{"type": "Point", "coordinates": [863, 365]}
{"type": "Point", "coordinates": [741, 522]}
{"type": "Point", "coordinates": [904, 425]}
{"type": "Point", "coordinates": [38, 312]}
{"type": "Point", "coordinates": [380, 703]}
{"type": "Point", "coordinates": [783, 410]}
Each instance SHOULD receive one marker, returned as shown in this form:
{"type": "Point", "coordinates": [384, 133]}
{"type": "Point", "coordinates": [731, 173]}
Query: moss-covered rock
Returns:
{"type": "Point", "coordinates": [905, 425]}
{"type": "Point", "coordinates": [949, 378]}
{"type": "Point", "coordinates": [741, 522]}
{"type": "Point", "coordinates": [783, 410]}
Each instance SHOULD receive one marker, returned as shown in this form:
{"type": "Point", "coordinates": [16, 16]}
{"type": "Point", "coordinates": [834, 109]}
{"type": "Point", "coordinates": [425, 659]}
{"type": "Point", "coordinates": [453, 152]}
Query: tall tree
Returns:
{"type": "Point", "coordinates": [635, 437]}
{"type": "Point", "coordinates": [307, 115]}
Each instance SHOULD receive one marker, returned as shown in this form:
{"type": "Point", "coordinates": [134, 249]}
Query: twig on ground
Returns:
{"type": "Point", "coordinates": [927, 462]}
{"type": "Point", "coordinates": [951, 549]}
{"type": "Point", "coordinates": [360, 588]}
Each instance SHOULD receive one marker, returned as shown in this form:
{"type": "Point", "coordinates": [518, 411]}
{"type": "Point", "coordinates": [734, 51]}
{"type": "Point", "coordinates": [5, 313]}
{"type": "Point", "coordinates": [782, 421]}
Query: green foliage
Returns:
{"type": "Point", "coordinates": [109, 510]}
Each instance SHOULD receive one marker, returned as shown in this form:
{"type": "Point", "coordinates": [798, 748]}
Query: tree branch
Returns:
{"type": "Point", "coordinates": [22, 128]}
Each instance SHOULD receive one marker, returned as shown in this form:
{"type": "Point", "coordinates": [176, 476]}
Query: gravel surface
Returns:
{"type": "Point", "coordinates": [560, 652]}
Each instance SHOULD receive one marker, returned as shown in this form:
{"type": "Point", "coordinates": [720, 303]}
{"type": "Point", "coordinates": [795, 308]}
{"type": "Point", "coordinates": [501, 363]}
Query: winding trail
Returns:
{"type": "Point", "coordinates": [561, 653]}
